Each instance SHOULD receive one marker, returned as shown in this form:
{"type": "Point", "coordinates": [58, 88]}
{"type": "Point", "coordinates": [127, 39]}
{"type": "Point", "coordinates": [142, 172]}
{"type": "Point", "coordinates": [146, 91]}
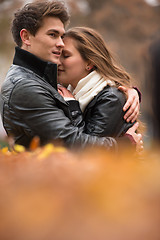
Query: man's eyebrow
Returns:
{"type": "Point", "coordinates": [56, 31]}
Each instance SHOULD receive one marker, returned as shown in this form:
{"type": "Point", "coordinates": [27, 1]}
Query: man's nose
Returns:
{"type": "Point", "coordinates": [60, 42]}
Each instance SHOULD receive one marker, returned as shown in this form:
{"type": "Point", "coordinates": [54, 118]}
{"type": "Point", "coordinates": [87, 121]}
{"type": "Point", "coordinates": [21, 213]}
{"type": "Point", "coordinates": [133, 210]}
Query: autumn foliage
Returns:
{"type": "Point", "coordinates": [53, 193]}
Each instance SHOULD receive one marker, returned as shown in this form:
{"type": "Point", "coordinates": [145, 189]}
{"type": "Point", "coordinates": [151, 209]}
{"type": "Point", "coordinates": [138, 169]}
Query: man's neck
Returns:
{"type": "Point", "coordinates": [44, 69]}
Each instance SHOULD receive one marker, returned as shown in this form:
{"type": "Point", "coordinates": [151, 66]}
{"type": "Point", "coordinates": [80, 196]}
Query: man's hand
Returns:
{"type": "Point", "coordinates": [132, 105]}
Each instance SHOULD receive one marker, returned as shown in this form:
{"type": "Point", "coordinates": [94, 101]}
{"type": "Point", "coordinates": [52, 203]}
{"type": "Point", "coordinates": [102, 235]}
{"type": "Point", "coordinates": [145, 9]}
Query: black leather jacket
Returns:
{"type": "Point", "coordinates": [31, 106]}
{"type": "Point", "coordinates": [103, 116]}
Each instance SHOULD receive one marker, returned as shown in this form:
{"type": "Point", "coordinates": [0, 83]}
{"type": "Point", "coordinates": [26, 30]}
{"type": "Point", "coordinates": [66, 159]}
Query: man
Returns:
{"type": "Point", "coordinates": [31, 104]}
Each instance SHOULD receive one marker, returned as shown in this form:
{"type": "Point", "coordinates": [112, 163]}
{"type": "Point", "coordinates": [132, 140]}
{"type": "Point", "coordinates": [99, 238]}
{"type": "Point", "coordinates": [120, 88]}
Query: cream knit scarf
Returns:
{"type": "Point", "coordinates": [88, 87]}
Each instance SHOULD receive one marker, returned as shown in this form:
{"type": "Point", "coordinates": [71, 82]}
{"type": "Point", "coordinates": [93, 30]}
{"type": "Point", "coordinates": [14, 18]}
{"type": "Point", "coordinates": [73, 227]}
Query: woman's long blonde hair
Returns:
{"type": "Point", "coordinates": [92, 48]}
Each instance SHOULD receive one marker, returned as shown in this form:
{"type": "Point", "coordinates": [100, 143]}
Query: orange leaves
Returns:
{"type": "Point", "coordinates": [53, 193]}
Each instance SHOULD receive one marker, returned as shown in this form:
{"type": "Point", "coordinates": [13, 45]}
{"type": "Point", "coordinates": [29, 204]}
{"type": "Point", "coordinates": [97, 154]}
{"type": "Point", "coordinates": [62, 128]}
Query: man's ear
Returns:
{"type": "Point", "coordinates": [25, 36]}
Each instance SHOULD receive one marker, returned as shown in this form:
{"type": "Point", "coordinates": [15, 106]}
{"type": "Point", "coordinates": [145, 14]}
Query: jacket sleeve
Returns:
{"type": "Point", "coordinates": [105, 117]}
{"type": "Point", "coordinates": [76, 113]}
{"type": "Point", "coordinates": [40, 111]}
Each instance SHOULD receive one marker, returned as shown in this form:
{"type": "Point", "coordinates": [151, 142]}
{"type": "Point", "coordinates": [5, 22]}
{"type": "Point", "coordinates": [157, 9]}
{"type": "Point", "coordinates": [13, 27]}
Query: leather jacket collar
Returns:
{"type": "Point", "coordinates": [46, 70]}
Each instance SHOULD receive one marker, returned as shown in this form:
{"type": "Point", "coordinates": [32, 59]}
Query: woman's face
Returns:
{"type": "Point", "coordinates": [72, 68]}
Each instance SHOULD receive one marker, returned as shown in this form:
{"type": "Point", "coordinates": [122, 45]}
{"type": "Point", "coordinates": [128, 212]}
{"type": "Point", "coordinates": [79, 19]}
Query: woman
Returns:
{"type": "Point", "coordinates": [88, 68]}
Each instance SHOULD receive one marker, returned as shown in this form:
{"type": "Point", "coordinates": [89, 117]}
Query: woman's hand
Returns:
{"type": "Point", "coordinates": [136, 136]}
{"type": "Point", "coordinates": [132, 104]}
{"type": "Point", "coordinates": [64, 92]}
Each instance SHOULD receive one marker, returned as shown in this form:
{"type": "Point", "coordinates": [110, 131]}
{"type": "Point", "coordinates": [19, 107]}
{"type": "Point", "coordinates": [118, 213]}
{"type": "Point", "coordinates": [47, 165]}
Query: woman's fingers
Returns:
{"type": "Point", "coordinates": [65, 92]}
{"type": "Point", "coordinates": [140, 145]}
{"type": "Point", "coordinates": [133, 128]}
{"type": "Point", "coordinates": [132, 113]}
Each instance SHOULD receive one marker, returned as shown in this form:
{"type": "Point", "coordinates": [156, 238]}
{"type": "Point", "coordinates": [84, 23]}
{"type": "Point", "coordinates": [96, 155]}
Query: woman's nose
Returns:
{"type": "Point", "coordinates": [59, 64]}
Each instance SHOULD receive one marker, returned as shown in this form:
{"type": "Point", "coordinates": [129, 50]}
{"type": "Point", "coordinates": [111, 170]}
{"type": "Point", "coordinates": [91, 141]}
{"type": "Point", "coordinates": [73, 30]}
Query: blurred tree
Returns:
{"type": "Point", "coordinates": [95, 5]}
{"type": "Point", "coordinates": [127, 26]}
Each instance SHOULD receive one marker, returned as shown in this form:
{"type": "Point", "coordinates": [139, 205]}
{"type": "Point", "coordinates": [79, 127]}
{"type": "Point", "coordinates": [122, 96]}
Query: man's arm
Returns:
{"type": "Point", "coordinates": [43, 115]}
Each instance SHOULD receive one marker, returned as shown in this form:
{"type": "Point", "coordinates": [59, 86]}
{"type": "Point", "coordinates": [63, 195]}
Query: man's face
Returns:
{"type": "Point", "coordinates": [47, 44]}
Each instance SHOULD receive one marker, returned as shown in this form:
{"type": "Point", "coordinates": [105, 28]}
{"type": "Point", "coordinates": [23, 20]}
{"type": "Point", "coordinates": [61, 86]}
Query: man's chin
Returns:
{"type": "Point", "coordinates": [56, 61]}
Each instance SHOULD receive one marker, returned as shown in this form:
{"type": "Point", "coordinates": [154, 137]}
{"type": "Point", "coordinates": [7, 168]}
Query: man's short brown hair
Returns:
{"type": "Point", "coordinates": [31, 17]}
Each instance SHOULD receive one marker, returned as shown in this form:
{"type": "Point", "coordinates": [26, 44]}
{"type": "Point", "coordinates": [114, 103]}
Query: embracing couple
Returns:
{"type": "Point", "coordinates": [93, 112]}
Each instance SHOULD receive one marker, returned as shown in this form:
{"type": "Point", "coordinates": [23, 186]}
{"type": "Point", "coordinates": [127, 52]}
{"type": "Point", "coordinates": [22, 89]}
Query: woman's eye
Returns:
{"type": "Point", "coordinates": [65, 56]}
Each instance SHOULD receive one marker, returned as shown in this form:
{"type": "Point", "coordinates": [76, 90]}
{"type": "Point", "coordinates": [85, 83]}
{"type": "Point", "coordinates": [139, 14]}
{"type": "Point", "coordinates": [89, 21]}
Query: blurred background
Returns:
{"type": "Point", "coordinates": [131, 30]}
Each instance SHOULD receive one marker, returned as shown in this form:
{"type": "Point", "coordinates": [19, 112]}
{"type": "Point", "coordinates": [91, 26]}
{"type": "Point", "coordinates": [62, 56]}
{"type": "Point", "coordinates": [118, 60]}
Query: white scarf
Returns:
{"type": "Point", "coordinates": [88, 87]}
